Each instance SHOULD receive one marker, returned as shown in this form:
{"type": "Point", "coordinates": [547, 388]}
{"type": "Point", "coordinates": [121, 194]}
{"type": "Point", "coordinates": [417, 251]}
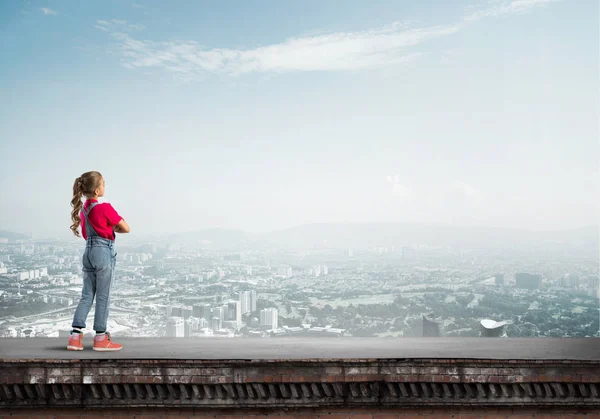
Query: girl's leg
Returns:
{"type": "Point", "coordinates": [87, 294]}
{"type": "Point", "coordinates": [104, 279]}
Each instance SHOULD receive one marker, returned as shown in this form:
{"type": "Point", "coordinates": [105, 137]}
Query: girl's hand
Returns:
{"type": "Point", "coordinates": [122, 227]}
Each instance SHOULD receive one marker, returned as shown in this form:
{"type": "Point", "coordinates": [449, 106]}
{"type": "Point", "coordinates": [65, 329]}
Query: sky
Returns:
{"type": "Point", "coordinates": [263, 115]}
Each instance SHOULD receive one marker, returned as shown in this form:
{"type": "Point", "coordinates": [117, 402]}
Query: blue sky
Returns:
{"type": "Point", "coordinates": [272, 114]}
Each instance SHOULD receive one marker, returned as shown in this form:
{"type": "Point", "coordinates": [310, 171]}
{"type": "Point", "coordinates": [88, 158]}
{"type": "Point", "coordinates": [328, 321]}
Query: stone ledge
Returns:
{"type": "Point", "coordinates": [317, 373]}
{"type": "Point", "coordinates": [252, 384]}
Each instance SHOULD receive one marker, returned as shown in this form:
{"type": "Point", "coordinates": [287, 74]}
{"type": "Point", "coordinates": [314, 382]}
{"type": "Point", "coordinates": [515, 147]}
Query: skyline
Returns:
{"type": "Point", "coordinates": [360, 236]}
{"type": "Point", "coordinates": [475, 113]}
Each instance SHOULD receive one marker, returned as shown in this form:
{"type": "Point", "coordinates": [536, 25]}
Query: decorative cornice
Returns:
{"type": "Point", "coordinates": [300, 383]}
{"type": "Point", "coordinates": [300, 394]}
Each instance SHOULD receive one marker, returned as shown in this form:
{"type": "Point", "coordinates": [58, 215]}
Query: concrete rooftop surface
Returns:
{"type": "Point", "coordinates": [587, 349]}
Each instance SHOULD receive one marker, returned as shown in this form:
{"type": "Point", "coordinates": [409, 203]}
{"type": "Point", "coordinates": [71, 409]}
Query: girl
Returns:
{"type": "Point", "coordinates": [99, 222]}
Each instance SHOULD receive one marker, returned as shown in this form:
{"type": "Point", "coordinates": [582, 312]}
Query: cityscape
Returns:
{"type": "Point", "coordinates": [210, 285]}
{"type": "Point", "coordinates": [395, 170]}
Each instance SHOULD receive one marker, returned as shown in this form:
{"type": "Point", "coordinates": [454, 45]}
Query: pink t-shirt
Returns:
{"type": "Point", "coordinates": [103, 218]}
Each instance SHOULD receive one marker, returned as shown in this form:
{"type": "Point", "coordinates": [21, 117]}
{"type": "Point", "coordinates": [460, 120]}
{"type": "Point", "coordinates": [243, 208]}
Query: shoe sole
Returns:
{"type": "Point", "coordinates": [107, 349]}
{"type": "Point", "coordinates": [74, 348]}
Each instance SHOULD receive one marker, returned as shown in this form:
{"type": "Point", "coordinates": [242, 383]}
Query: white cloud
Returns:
{"type": "Point", "coordinates": [138, 6]}
{"type": "Point", "coordinates": [498, 8]}
{"type": "Point", "coordinates": [47, 11]}
{"type": "Point", "coordinates": [116, 25]}
{"type": "Point", "coordinates": [340, 51]}
{"type": "Point", "coordinates": [330, 52]}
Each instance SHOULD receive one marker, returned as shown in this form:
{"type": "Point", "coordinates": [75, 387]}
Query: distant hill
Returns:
{"type": "Point", "coordinates": [12, 236]}
{"type": "Point", "coordinates": [360, 235]}
{"type": "Point", "coordinates": [394, 234]}
{"type": "Point", "coordinates": [218, 237]}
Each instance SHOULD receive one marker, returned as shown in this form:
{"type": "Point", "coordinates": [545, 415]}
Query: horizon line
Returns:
{"type": "Point", "coordinates": [283, 229]}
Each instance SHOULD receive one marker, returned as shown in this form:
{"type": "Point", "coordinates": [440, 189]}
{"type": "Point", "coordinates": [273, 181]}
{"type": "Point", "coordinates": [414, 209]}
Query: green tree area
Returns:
{"type": "Point", "coordinates": [554, 318]}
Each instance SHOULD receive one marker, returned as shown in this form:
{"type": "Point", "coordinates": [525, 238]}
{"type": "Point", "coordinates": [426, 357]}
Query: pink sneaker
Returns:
{"type": "Point", "coordinates": [104, 343]}
{"type": "Point", "coordinates": [75, 342]}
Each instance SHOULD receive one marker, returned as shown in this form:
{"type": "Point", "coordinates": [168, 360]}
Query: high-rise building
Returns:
{"type": "Point", "coordinates": [269, 318]}
{"type": "Point", "coordinates": [528, 281]}
{"type": "Point", "coordinates": [499, 279]}
{"type": "Point", "coordinates": [175, 311]}
{"type": "Point", "coordinates": [187, 327]}
{"type": "Point", "coordinates": [175, 327]}
{"type": "Point", "coordinates": [225, 311]}
{"type": "Point", "coordinates": [285, 271]}
{"type": "Point", "coordinates": [244, 299]}
{"type": "Point", "coordinates": [247, 301]}
{"type": "Point", "coordinates": [216, 324]}
{"type": "Point", "coordinates": [192, 325]}
{"type": "Point", "coordinates": [202, 311]}
{"type": "Point", "coordinates": [569, 281]}
{"type": "Point", "coordinates": [187, 312]}
{"type": "Point", "coordinates": [234, 311]}
{"type": "Point", "coordinates": [218, 313]}
{"type": "Point", "coordinates": [253, 300]}
{"type": "Point", "coordinates": [593, 282]}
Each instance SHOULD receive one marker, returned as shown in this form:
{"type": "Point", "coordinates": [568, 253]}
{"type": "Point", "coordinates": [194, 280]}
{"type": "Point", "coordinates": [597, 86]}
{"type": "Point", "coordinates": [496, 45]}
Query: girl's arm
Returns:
{"type": "Point", "coordinates": [122, 227]}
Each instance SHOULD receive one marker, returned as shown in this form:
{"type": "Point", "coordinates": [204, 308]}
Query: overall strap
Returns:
{"type": "Point", "coordinates": [89, 229]}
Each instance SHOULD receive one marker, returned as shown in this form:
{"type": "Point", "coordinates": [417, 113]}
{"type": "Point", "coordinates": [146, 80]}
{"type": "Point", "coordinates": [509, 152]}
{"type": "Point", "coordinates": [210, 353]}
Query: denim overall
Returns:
{"type": "Point", "coordinates": [99, 261]}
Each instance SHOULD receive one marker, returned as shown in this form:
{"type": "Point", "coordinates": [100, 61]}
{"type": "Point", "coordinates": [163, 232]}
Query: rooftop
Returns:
{"type": "Point", "coordinates": [279, 373]}
{"type": "Point", "coordinates": [316, 348]}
